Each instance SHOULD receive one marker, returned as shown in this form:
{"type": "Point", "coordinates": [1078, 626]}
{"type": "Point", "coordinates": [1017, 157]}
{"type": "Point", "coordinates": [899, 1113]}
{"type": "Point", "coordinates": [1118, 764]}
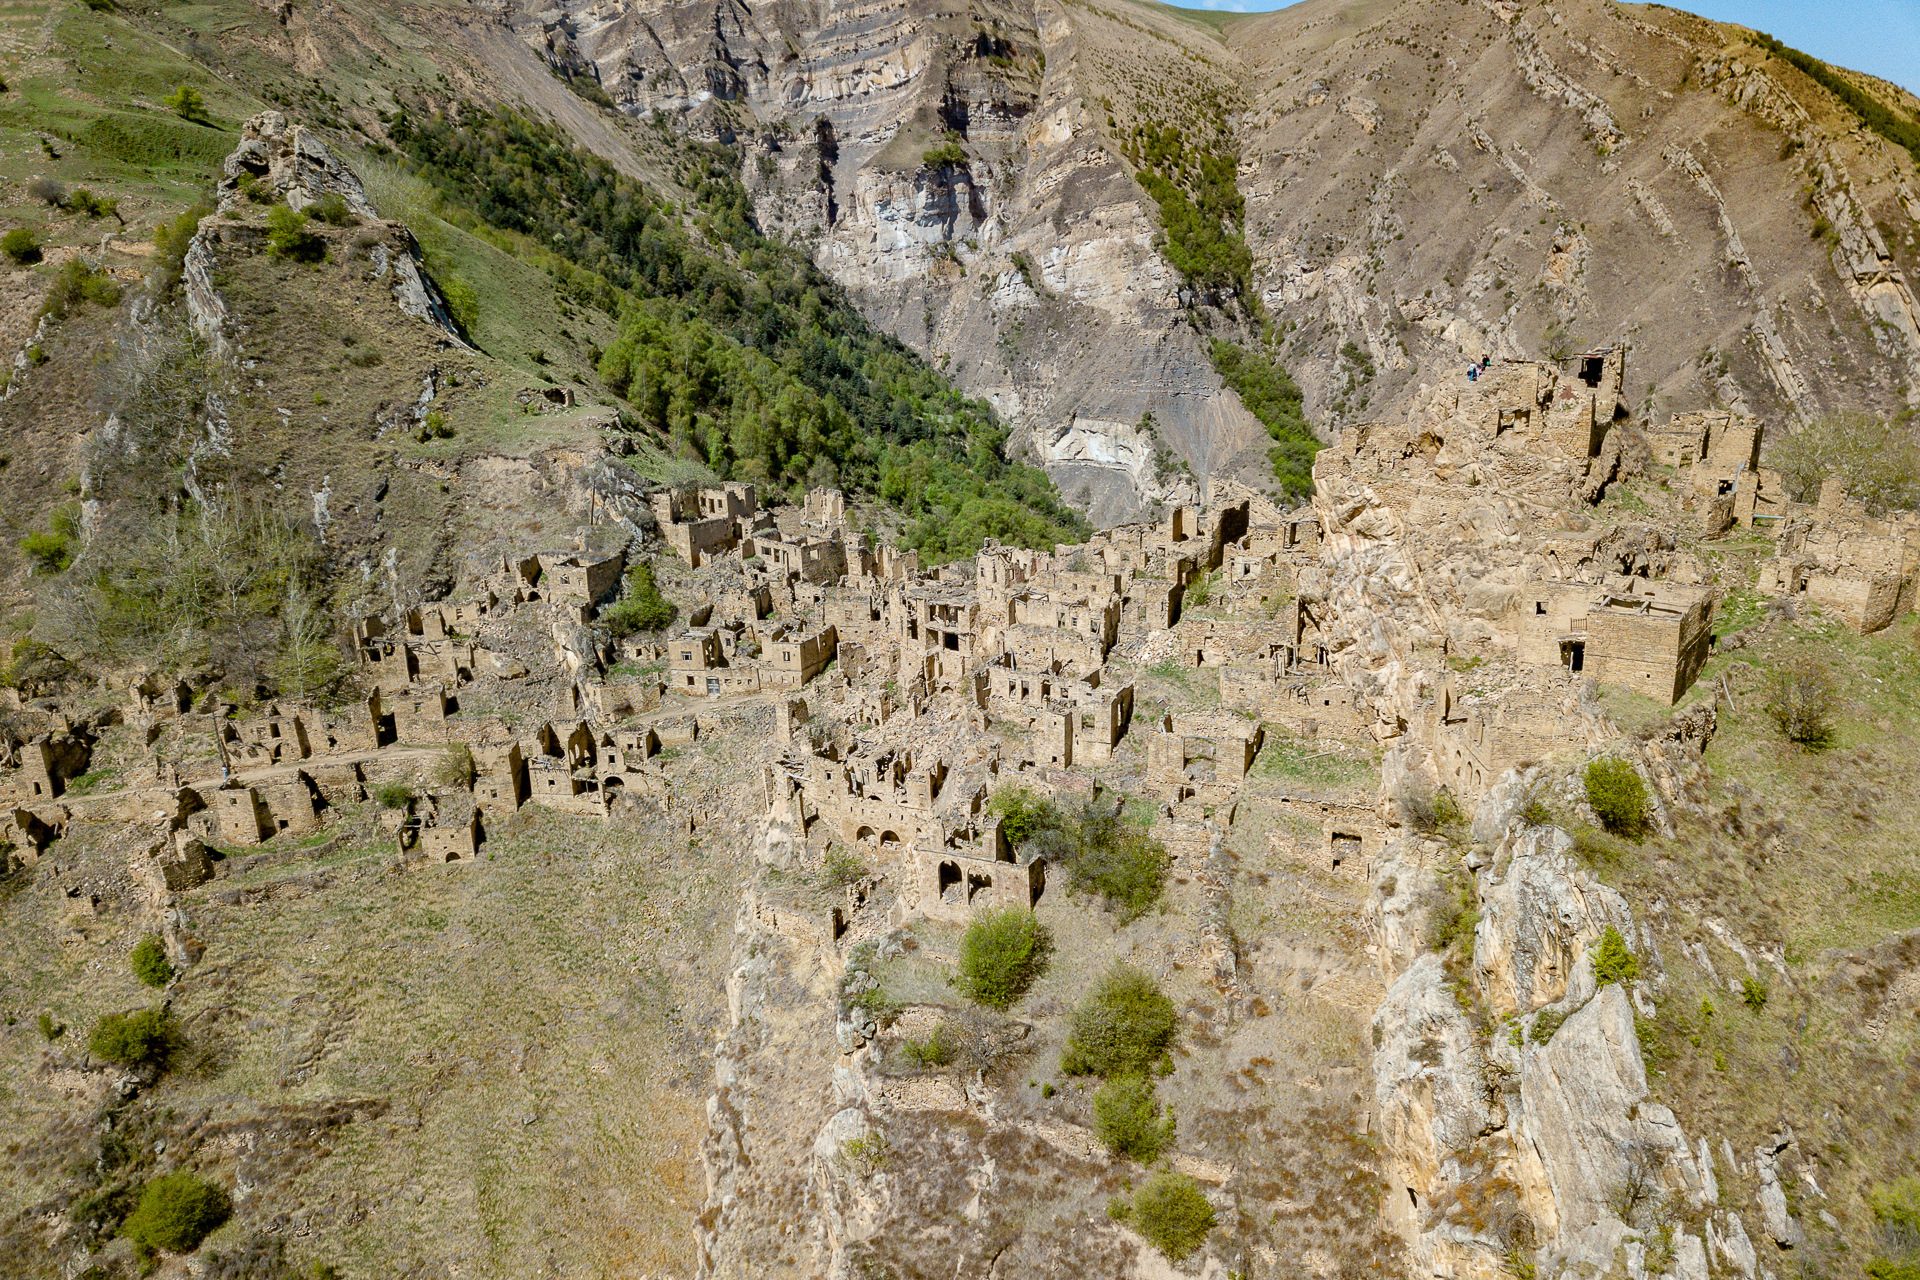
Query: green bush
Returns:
{"type": "Point", "coordinates": [288, 236]}
{"type": "Point", "coordinates": [1002, 954]}
{"type": "Point", "coordinates": [1753, 993]}
{"type": "Point", "coordinates": [1022, 814]}
{"type": "Point", "coordinates": [149, 960]}
{"type": "Point", "coordinates": [1109, 857]}
{"type": "Point", "coordinates": [176, 1212]}
{"type": "Point", "coordinates": [947, 154]}
{"type": "Point", "coordinates": [1123, 1027]}
{"type": "Point", "coordinates": [1612, 961]}
{"type": "Point", "coordinates": [643, 608]}
{"type": "Point", "coordinates": [393, 795]}
{"type": "Point", "coordinates": [1896, 1214]}
{"type": "Point", "coordinates": [1130, 1120]}
{"type": "Point", "coordinates": [936, 1050]}
{"type": "Point", "coordinates": [1200, 591]}
{"type": "Point", "coordinates": [1452, 914]}
{"type": "Point", "coordinates": [1173, 1214]}
{"type": "Point", "coordinates": [1618, 797]}
{"type": "Point", "coordinates": [78, 282]}
{"type": "Point", "coordinates": [332, 209]}
{"type": "Point", "coordinates": [143, 1038]}
{"type": "Point", "coordinates": [52, 550]}
{"type": "Point", "coordinates": [843, 867]}
{"type": "Point", "coordinates": [49, 1029]}
{"type": "Point", "coordinates": [22, 245]}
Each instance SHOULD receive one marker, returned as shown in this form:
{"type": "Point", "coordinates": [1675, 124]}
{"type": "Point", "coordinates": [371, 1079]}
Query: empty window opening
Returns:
{"type": "Point", "coordinates": [1574, 654]}
{"type": "Point", "coordinates": [978, 884]}
{"type": "Point", "coordinates": [949, 878]}
{"type": "Point", "coordinates": [1590, 370]}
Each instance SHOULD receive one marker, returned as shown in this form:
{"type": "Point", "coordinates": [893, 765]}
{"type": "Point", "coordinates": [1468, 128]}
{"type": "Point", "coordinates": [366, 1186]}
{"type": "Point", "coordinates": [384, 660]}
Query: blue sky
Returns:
{"type": "Point", "coordinates": [1881, 37]}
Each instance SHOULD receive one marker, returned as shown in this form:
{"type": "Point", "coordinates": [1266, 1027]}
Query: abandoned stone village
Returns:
{"type": "Point", "coordinates": [1455, 604]}
{"type": "Point", "coordinates": [901, 697]}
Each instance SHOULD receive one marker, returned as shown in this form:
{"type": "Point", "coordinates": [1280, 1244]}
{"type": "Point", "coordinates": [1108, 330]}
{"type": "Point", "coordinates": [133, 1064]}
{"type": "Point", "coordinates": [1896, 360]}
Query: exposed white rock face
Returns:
{"type": "Point", "coordinates": [1585, 1125]}
{"type": "Point", "coordinates": [1428, 1076]}
{"type": "Point", "coordinates": [1540, 914]}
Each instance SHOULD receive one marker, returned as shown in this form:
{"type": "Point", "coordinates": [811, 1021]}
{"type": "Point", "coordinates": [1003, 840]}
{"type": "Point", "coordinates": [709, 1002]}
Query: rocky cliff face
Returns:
{"type": "Point", "coordinates": [1425, 183]}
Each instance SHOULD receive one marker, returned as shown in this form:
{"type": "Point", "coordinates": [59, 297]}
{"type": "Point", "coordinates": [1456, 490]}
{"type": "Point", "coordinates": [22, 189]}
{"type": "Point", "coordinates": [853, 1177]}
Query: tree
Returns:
{"type": "Point", "coordinates": [1618, 796]}
{"type": "Point", "coordinates": [1612, 961]}
{"type": "Point", "coordinates": [149, 960]}
{"type": "Point", "coordinates": [643, 608]}
{"type": "Point", "coordinates": [185, 102]}
{"type": "Point", "coordinates": [1877, 460]}
{"type": "Point", "coordinates": [1800, 701]}
{"type": "Point", "coordinates": [1173, 1214]}
{"type": "Point", "coordinates": [176, 1212]}
{"type": "Point", "coordinates": [1003, 952]}
{"type": "Point", "coordinates": [1123, 1028]}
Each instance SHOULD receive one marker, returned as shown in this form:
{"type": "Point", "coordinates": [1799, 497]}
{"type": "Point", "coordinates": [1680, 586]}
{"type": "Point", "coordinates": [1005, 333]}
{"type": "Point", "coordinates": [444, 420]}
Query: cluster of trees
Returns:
{"type": "Point", "coordinates": [1901, 131]}
{"type": "Point", "coordinates": [1201, 208]}
{"type": "Point", "coordinates": [1272, 396]}
{"type": "Point", "coordinates": [754, 363]}
{"type": "Point", "coordinates": [1876, 459]}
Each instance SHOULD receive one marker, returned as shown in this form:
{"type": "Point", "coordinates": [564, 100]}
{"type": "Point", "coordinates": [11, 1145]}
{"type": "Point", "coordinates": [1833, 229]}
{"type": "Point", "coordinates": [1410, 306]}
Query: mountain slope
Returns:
{"type": "Point", "coordinates": [1424, 183]}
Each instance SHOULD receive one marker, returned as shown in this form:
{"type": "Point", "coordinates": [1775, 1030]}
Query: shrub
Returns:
{"type": "Point", "coordinates": [52, 550]}
{"type": "Point", "coordinates": [149, 960]}
{"type": "Point", "coordinates": [1001, 956]}
{"type": "Point", "coordinates": [332, 209]}
{"type": "Point", "coordinates": [288, 236]}
{"type": "Point", "coordinates": [1121, 1029]}
{"type": "Point", "coordinates": [946, 154]}
{"type": "Point", "coordinates": [84, 202]}
{"type": "Point", "coordinates": [643, 608]}
{"type": "Point", "coordinates": [1534, 811]}
{"type": "Point", "coordinates": [1115, 860]}
{"type": "Point", "coordinates": [393, 795]}
{"type": "Point", "coordinates": [934, 1051]}
{"type": "Point", "coordinates": [48, 191]}
{"type": "Point", "coordinates": [1452, 914]}
{"type": "Point", "coordinates": [22, 245]}
{"type": "Point", "coordinates": [1612, 961]}
{"type": "Point", "coordinates": [143, 1038]}
{"type": "Point", "coordinates": [1618, 797]}
{"type": "Point", "coordinates": [455, 768]}
{"type": "Point", "coordinates": [1130, 1120]}
{"type": "Point", "coordinates": [1428, 810]}
{"type": "Point", "coordinates": [1753, 993]}
{"type": "Point", "coordinates": [843, 867]}
{"type": "Point", "coordinates": [176, 1212]}
{"type": "Point", "coordinates": [1800, 701]}
{"type": "Point", "coordinates": [1199, 592]}
{"type": "Point", "coordinates": [1896, 1212]}
{"type": "Point", "coordinates": [1022, 814]}
{"type": "Point", "coordinates": [78, 282]}
{"type": "Point", "coordinates": [49, 1029]}
{"type": "Point", "coordinates": [1172, 1214]}
{"type": "Point", "coordinates": [185, 102]}
{"type": "Point", "coordinates": [1546, 1023]}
